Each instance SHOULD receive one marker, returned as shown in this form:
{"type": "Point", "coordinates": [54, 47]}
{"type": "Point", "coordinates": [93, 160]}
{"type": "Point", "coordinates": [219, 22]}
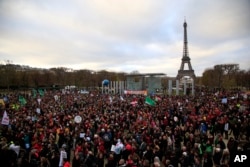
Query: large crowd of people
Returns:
{"type": "Point", "coordinates": [67, 128]}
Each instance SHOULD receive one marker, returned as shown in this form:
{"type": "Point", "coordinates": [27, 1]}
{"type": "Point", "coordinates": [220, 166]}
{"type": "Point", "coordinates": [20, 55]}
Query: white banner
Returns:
{"type": "Point", "coordinates": [5, 119]}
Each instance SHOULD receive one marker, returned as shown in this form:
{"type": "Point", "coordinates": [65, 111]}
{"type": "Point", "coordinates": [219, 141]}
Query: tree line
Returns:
{"type": "Point", "coordinates": [23, 77]}
{"type": "Point", "coordinates": [226, 76]}
{"type": "Point", "coordinates": [13, 76]}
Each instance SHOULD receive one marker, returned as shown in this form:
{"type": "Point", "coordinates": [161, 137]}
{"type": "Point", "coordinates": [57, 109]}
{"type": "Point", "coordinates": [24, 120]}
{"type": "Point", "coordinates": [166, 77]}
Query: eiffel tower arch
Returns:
{"type": "Point", "coordinates": [182, 72]}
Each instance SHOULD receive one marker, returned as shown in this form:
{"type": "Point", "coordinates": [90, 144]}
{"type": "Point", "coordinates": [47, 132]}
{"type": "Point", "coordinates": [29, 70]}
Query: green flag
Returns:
{"type": "Point", "coordinates": [150, 101]}
{"type": "Point", "coordinates": [34, 92]}
{"type": "Point", "coordinates": [41, 92]}
{"type": "Point", "coordinates": [22, 100]}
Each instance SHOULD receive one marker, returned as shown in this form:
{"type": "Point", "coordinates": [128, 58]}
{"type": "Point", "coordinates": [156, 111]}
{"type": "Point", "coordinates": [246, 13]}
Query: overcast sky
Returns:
{"type": "Point", "coordinates": [125, 35]}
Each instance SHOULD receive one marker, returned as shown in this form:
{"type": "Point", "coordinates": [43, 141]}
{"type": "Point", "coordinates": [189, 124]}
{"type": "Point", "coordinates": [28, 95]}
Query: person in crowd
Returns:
{"type": "Point", "coordinates": [122, 163]}
{"type": "Point", "coordinates": [8, 157]}
{"type": "Point", "coordinates": [45, 128]}
{"type": "Point", "coordinates": [63, 156]}
{"type": "Point", "coordinates": [225, 158]}
{"type": "Point", "coordinates": [118, 149]}
{"type": "Point", "coordinates": [217, 156]}
{"type": "Point", "coordinates": [66, 162]}
{"type": "Point", "coordinates": [111, 161]}
{"type": "Point", "coordinates": [44, 162]}
{"type": "Point", "coordinates": [76, 162]}
{"type": "Point", "coordinates": [90, 159]}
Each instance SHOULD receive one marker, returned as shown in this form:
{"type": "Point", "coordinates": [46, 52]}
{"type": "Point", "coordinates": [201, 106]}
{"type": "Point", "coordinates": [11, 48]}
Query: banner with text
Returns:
{"type": "Point", "coordinates": [136, 92]}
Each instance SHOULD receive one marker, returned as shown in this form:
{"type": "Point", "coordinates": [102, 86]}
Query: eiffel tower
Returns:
{"type": "Point", "coordinates": [185, 59]}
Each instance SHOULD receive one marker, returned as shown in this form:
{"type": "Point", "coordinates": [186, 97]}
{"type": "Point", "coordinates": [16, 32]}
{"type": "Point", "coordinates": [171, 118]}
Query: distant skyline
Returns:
{"type": "Point", "coordinates": [125, 36]}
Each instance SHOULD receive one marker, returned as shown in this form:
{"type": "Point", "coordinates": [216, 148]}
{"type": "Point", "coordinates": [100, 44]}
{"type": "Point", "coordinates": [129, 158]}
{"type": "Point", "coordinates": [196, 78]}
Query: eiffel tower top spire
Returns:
{"type": "Point", "coordinates": [185, 58]}
{"type": "Point", "coordinates": [185, 46]}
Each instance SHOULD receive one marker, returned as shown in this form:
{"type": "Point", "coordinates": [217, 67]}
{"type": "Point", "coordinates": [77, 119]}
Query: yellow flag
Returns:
{"type": "Point", "coordinates": [2, 102]}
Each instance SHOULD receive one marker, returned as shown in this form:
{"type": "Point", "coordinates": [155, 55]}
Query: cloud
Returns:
{"type": "Point", "coordinates": [142, 35]}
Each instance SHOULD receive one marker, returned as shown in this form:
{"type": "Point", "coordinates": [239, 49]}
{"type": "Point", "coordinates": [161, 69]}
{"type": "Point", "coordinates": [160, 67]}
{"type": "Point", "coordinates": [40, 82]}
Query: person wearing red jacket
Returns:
{"type": "Point", "coordinates": [66, 163]}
